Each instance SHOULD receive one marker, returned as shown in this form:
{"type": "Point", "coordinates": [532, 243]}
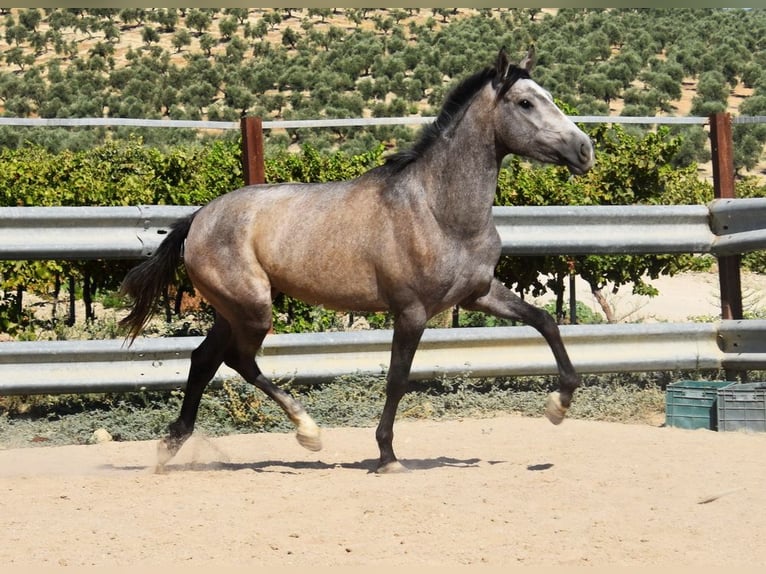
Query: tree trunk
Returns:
{"type": "Point", "coordinates": [87, 297]}
{"type": "Point", "coordinates": [604, 304]}
{"type": "Point", "coordinates": [19, 301]}
{"type": "Point", "coordinates": [166, 306]}
{"type": "Point", "coordinates": [559, 290]}
{"type": "Point", "coordinates": [56, 295]}
{"type": "Point", "coordinates": [70, 320]}
{"type": "Point", "coordinates": [572, 300]}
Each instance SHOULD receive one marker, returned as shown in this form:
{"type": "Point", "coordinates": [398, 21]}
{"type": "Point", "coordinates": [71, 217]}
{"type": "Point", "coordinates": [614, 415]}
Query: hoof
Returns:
{"type": "Point", "coordinates": [310, 439]}
{"type": "Point", "coordinates": [554, 410]}
{"type": "Point", "coordinates": [167, 448]}
{"type": "Point", "coordinates": [308, 434]}
{"type": "Point", "coordinates": [393, 467]}
{"type": "Point", "coordinates": [165, 452]}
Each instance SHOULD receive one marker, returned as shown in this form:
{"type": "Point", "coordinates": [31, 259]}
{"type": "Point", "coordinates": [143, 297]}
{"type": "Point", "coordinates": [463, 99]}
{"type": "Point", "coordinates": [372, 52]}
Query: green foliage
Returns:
{"type": "Point", "coordinates": [585, 315]}
{"type": "Point", "coordinates": [749, 139]}
{"type": "Point", "coordinates": [477, 319]}
{"type": "Point", "coordinates": [124, 172]}
{"type": "Point", "coordinates": [293, 316]}
{"type": "Point", "coordinates": [312, 166]}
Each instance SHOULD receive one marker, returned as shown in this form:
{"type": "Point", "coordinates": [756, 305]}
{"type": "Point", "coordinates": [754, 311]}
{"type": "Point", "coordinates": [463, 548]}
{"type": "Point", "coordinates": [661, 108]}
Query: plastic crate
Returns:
{"type": "Point", "coordinates": [742, 406]}
{"type": "Point", "coordinates": [693, 404]}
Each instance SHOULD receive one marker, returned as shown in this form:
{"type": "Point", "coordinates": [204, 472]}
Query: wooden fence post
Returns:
{"type": "Point", "coordinates": [722, 146]}
{"type": "Point", "coordinates": [252, 150]}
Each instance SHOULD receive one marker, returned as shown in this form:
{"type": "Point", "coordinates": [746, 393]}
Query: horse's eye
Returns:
{"type": "Point", "coordinates": [526, 104]}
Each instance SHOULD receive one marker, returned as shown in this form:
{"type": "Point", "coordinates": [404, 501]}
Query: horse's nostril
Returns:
{"type": "Point", "coordinates": [586, 151]}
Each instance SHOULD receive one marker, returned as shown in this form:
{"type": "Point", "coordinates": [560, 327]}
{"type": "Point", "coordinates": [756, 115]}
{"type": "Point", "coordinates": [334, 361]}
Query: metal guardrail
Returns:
{"type": "Point", "coordinates": [131, 232]}
{"type": "Point", "coordinates": [340, 122]}
{"type": "Point", "coordinates": [56, 367]}
{"type": "Point", "coordinates": [580, 230]}
{"type": "Point", "coordinates": [738, 224]}
{"type": "Point", "coordinates": [723, 227]}
{"type": "Point", "coordinates": [334, 122]}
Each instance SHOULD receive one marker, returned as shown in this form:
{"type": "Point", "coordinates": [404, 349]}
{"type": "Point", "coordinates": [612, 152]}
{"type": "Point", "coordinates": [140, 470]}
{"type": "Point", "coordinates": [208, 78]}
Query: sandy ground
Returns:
{"type": "Point", "coordinates": [500, 491]}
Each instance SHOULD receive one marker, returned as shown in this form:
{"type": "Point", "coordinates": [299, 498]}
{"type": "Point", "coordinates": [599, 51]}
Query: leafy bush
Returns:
{"type": "Point", "coordinates": [585, 315]}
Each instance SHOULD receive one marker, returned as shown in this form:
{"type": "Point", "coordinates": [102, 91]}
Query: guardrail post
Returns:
{"type": "Point", "coordinates": [252, 150]}
{"type": "Point", "coordinates": [722, 147]}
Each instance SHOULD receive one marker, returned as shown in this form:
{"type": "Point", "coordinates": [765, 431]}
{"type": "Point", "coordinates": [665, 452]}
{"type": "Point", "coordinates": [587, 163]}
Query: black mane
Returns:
{"type": "Point", "coordinates": [455, 103]}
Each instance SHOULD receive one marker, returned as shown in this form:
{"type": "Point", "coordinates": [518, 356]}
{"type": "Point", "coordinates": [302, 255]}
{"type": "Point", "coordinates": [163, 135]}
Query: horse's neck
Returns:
{"type": "Point", "coordinates": [461, 174]}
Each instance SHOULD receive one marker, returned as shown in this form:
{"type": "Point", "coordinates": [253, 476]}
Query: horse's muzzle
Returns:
{"type": "Point", "coordinates": [584, 159]}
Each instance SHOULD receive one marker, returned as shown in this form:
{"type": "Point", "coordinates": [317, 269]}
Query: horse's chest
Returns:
{"type": "Point", "coordinates": [461, 267]}
{"type": "Point", "coordinates": [480, 252]}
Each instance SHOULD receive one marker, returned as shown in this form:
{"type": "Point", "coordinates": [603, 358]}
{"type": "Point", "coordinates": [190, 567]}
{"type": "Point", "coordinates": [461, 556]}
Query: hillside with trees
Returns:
{"type": "Point", "coordinates": [291, 63]}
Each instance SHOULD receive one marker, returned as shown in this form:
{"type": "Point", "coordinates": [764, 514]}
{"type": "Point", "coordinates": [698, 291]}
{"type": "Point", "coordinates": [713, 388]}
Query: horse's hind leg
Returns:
{"type": "Point", "coordinates": [205, 361]}
{"type": "Point", "coordinates": [240, 356]}
{"type": "Point", "coordinates": [501, 302]}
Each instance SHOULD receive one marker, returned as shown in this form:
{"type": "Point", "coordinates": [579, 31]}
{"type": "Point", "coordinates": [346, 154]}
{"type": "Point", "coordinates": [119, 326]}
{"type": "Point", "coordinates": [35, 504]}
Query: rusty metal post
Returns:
{"type": "Point", "coordinates": [252, 150]}
{"type": "Point", "coordinates": [722, 146]}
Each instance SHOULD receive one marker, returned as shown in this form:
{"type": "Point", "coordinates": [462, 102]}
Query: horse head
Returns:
{"type": "Point", "coordinates": [528, 122]}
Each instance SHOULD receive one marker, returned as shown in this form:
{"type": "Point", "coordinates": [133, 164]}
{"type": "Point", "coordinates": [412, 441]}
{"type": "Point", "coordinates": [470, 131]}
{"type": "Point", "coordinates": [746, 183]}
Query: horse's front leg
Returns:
{"type": "Point", "coordinates": [501, 302]}
{"type": "Point", "coordinates": [408, 329]}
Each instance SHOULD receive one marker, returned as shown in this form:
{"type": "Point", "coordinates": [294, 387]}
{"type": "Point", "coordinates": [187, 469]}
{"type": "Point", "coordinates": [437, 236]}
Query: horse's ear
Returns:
{"type": "Point", "coordinates": [502, 65]}
{"type": "Point", "coordinates": [529, 60]}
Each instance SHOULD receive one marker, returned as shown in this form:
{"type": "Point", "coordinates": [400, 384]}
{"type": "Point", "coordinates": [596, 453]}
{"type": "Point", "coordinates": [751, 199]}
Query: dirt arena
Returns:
{"type": "Point", "coordinates": [500, 491]}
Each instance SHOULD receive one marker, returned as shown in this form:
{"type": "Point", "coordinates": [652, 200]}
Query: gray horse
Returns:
{"type": "Point", "coordinates": [414, 236]}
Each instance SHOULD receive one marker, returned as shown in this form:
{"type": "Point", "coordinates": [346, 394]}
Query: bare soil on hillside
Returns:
{"type": "Point", "coordinates": [498, 491]}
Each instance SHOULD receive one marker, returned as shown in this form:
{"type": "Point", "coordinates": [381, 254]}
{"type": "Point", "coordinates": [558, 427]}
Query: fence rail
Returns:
{"type": "Point", "coordinates": [723, 227]}
{"type": "Point", "coordinates": [338, 122]}
{"type": "Point", "coordinates": [85, 232]}
{"type": "Point", "coordinates": [331, 122]}
{"type": "Point", "coordinates": [55, 367]}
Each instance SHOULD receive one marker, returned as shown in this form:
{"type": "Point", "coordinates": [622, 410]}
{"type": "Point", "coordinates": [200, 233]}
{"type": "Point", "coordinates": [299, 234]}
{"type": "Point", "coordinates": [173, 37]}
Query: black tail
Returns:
{"type": "Point", "coordinates": [146, 282]}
